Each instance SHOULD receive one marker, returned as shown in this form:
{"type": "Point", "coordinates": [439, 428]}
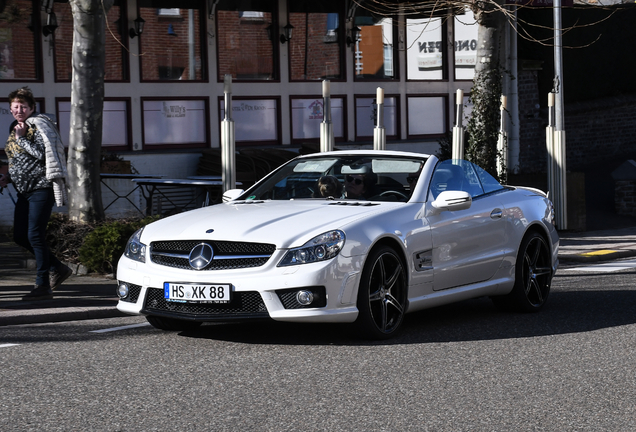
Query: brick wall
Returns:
{"type": "Point", "coordinates": [596, 131]}
{"type": "Point", "coordinates": [625, 197]}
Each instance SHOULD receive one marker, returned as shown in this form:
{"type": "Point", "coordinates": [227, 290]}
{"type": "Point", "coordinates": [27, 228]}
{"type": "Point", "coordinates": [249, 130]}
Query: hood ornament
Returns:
{"type": "Point", "coordinates": [200, 256]}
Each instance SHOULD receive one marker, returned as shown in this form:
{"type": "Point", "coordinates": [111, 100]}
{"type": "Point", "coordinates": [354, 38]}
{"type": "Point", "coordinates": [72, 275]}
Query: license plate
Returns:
{"type": "Point", "coordinates": [197, 293]}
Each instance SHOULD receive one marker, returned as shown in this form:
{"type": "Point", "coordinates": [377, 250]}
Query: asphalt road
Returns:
{"type": "Point", "coordinates": [464, 367]}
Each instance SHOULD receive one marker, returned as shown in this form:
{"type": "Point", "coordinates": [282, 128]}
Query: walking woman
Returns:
{"type": "Point", "coordinates": [37, 169]}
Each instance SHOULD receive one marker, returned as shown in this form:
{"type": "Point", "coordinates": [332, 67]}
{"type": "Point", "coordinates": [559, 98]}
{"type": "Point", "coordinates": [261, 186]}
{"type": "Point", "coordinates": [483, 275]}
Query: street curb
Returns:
{"type": "Point", "coordinates": [10, 317]}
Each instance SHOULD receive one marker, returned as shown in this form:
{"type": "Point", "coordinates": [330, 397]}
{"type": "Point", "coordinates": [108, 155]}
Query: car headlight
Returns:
{"type": "Point", "coordinates": [320, 248]}
{"type": "Point", "coordinates": [135, 249]}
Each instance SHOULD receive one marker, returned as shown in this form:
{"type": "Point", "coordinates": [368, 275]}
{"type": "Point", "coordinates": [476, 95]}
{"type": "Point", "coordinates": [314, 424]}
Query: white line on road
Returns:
{"type": "Point", "coordinates": [8, 345]}
{"type": "Point", "coordinates": [120, 328]}
{"type": "Point", "coordinates": [606, 267]}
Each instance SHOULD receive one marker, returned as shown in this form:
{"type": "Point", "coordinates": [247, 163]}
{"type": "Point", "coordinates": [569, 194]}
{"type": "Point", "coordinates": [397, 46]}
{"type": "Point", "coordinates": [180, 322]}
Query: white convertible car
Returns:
{"type": "Point", "coordinates": [359, 237]}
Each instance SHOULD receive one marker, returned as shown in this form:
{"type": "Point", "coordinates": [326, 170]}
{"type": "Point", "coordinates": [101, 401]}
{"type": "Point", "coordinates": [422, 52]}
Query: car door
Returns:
{"type": "Point", "coordinates": [468, 245]}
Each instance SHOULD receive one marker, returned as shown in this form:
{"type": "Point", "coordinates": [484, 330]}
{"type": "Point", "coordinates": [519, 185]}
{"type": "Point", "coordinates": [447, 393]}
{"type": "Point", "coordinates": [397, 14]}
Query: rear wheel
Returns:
{"type": "Point", "coordinates": [171, 324]}
{"type": "Point", "coordinates": [381, 295]}
{"type": "Point", "coordinates": [533, 275]}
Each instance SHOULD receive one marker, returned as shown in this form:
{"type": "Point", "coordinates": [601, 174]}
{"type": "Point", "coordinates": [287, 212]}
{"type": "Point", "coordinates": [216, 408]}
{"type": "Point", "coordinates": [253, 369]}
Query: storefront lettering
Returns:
{"type": "Point", "coordinates": [247, 107]}
{"type": "Point", "coordinates": [461, 45]}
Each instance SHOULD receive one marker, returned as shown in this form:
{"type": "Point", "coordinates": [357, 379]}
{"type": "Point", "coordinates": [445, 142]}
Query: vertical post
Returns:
{"type": "Point", "coordinates": [326, 127]}
{"type": "Point", "coordinates": [228, 144]}
{"type": "Point", "coordinates": [560, 205]}
{"type": "Point", "coordinates": [502, 141]}
{"type": "Point", "coordinates": [379, 132]}
{"type": "Point", "coordinates": [458, 129]}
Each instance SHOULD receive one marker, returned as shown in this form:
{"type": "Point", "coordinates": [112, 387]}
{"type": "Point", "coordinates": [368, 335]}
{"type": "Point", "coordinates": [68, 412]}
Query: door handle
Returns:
{"type": "Point", "coordinates": [496, 214]}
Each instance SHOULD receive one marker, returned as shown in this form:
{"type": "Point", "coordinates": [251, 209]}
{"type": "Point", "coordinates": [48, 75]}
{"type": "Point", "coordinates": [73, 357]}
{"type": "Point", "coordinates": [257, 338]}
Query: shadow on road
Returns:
{"type": "Point", "coordinates": [471, 320]}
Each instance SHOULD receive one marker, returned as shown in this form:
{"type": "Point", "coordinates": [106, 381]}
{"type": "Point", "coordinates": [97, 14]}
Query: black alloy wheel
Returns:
{"type": "Point", "coordinates": [382, 295]}
{"type": "Point", "coordinates": [533, 276]}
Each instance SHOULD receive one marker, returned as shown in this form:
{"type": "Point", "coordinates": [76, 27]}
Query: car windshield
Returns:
{"type": "Point", "coordinates": [357, 177]}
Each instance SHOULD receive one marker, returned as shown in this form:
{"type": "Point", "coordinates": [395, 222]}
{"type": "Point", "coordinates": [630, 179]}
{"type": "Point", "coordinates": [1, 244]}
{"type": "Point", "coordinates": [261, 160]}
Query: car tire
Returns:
{"type": "Point", "coordinates": [382, 295]}
{"type": "Point", "coordinates": [171, 324]}
{"type": "Point", "coordinates": [533, 276]}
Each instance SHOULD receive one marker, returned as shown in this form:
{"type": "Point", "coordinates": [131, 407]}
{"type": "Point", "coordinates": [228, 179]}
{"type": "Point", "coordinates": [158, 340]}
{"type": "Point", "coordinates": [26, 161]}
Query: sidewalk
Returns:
{"type": "Point", "coordinates": [90, 297]}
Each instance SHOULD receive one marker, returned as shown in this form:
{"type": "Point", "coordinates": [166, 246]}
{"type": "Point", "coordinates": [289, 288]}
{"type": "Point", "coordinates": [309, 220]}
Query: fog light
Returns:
{"type": "Point", "coordinates": [305, 298]}
{"type": "Point", "coordinates": [122, 290]}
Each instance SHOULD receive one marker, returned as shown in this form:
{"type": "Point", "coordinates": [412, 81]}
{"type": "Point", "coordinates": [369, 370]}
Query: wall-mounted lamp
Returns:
{"type": "Point", "coordinates": [51, 25]}
{"type": "Point", "coordinates": [139, 28]}
{"type": "Point", "coordinates": [353, 37]}
{"type": "Point", "coordinates": [287, 35]}
{"type": "Point", "coordinates": [171, 30]}
{"type": "Point", "coordinates": [268, 29]}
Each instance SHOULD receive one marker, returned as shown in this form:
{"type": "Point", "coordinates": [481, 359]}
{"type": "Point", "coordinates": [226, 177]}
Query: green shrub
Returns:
{"type": "Point", "coordinates": [103, 246]}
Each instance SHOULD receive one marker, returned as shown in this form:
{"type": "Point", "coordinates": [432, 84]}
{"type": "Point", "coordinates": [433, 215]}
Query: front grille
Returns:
{"type": "Point", "coordinates": [247, 304]}
{"type": "Point", "coordinates": [227, 255]}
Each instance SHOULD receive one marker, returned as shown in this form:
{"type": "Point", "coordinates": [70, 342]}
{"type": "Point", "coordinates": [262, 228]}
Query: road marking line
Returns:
{"type": "Point", "coordinates": [120, 328]}
{"type": "Point", "coordinates": [598, 252]}
{"type": "Point", "coordinates": [606, 267]}
{"type": "Point", "coordinates": [8, 345]}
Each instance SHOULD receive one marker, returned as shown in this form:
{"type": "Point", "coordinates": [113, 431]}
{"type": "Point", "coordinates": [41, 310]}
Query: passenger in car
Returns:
{"type": "Point", "coordinates": [328, 186]}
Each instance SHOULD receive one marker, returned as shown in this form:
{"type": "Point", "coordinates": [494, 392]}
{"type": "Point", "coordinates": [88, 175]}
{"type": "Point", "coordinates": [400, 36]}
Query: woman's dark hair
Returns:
{"type": "Point", "coordinates": [23, 94]}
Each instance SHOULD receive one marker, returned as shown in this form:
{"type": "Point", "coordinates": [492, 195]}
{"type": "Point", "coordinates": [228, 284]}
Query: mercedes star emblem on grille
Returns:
{"type": "Point", "coordinates": [200, 256]}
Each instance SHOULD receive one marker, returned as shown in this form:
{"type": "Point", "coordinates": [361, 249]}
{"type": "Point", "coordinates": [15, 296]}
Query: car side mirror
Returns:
{"type": "Point", "coordinates": [451, 201]}
{"type": "Point", "coordinates": [232, 194]}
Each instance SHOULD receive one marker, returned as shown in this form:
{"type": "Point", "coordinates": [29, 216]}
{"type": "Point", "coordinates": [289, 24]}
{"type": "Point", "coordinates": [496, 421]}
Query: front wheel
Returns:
{"type": "Point", "coordinates": [171, 324]}
{"type": "Point", "coordinates": [533, 275]}
{"type": "Point", "coordinates": [381, 295]}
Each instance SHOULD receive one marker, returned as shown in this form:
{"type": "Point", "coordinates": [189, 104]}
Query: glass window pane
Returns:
{"type": "Point", "coordinates": [19, 56]}
{"type": "Point", "coordinates": [115, 122]}
{"type": "Point", "coordinates": [174, 122]}
{"type": "Point", "coordinates": [246, 37]}
{"type": "Point", "coordinates": [425, 49]}
{"type": "Point", "coordinates": [427, 115]}
{"type": "Point", "coordinates": [255, 120]}
{"type": "Point", "coordinates": [170, 45]}
{"type": "Point", "coordinates": [366, 116]}
{"type": "Point", "coordinates": [374, 48]}
{"type": "Point", "coordinates": [315, 48]}
{"type": "Point", "coordinates": [465, 46]}
{"type": "Point", "coordinates": [116, 67]}
{"type": "Point", "coordinates": [307, 116]}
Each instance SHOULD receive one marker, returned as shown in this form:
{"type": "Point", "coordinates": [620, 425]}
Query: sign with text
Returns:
{"type": "Point", "coordinates": [307, 115]}
{"type": "Point", "coordinates": [174, 122]}
{"type": "Point", "coordinates": [254, 119]}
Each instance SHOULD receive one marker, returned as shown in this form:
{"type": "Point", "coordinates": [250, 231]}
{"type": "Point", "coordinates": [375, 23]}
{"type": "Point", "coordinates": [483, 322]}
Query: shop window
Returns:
{"type": "Point", "coordinates": [426, 52]}
{"type": "Point", "coordinates": [20, 55]}
{"type": "Point", "coordinates": [427, 116]}
{"type": "Point", "coordinates": [256, 120]}
{"type": "Point", "coordinates": [465, 34]}
{"type": "Point", "coordinates": [308, 114]}
{"type": "Point", "coordinates": [247, 38]}
{"type": "Point", "coordinates": [373, 47]}
{"type": "Point", "coordinates": [175, 123]}
{"type": "Point", "coordinates": [115, 122]}
{"type": "Point", "coordinates": [366, 117]}
{"type": "Point", "coordinates": [116, 66]}
{"type": "Point", "coordinates": [172, 43]}
{"type": "Point", "coordinates": [315, 49]}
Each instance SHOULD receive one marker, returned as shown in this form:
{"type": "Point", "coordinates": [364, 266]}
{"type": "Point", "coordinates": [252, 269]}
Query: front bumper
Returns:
{"type": "Point", "coordinates": [257, 293]}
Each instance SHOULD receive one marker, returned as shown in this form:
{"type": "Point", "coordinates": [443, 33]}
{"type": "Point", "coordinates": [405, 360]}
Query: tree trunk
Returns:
{"type": "Point", "coordinates": [483, 126]}
{"type": "Point", "coordinates": [87, 103]}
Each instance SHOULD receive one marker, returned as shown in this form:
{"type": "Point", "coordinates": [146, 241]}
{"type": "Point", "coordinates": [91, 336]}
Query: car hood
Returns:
{"type": "Point", "coordinates": [283, 223]}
